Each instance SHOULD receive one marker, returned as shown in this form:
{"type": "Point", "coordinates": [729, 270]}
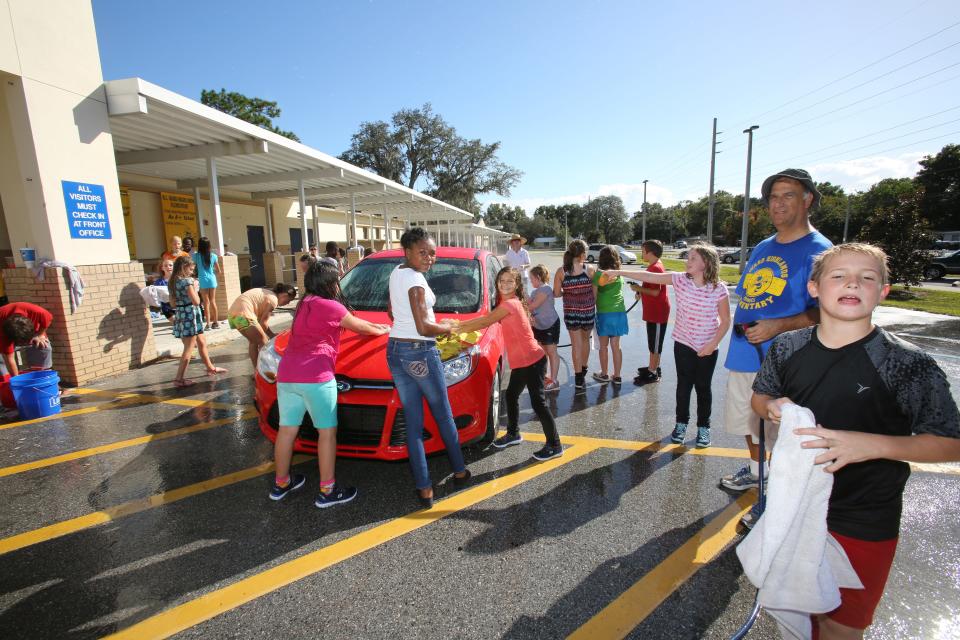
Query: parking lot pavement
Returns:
{"type": "Point", "coordinates": [143, 511]}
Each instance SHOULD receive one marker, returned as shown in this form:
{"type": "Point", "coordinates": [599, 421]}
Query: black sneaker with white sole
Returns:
{"type": "Point", "coordinates": [279, 493]}
{"type": "Point", "coordinates": [339, 495]}
{"type": "Point", "coordinates": [549, 452]}
{"type": "Point", "coordinates": [507, 440]}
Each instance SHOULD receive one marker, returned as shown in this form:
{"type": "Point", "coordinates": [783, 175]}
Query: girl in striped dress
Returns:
{"type": "Point", "coordinates": [574, 283]}
{"type": "Point", "coordinates": [703, 318]}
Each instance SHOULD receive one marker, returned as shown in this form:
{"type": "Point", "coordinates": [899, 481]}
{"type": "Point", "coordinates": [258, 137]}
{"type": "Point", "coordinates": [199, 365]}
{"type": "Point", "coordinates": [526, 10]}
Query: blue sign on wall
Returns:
{"type": "Point", "coordinates": [86, 210]}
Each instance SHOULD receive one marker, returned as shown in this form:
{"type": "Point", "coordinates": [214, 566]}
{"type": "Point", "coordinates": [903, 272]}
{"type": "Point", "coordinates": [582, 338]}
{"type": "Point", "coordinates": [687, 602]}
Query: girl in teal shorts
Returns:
{"type": "Point", "coordinates": [306, 383]}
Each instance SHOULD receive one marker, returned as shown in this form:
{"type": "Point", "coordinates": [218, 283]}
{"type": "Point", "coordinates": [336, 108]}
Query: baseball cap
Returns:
{"type": "Point", "coordinates": [800, 176]}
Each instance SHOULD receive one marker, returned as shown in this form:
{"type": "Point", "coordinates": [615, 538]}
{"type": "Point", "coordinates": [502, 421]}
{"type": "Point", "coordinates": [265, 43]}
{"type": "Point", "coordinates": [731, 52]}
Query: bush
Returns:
{"type": "Point", "coordinates": [904, 234]}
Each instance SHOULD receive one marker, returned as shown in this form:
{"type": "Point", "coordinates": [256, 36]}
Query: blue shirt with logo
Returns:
{"type": "Point", "coordinates": [773, 285]}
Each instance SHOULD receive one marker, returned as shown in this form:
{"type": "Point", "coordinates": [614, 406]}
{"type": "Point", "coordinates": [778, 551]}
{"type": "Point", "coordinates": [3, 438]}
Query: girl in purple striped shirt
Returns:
{"type": "Point", "coordinates": [702, 320]}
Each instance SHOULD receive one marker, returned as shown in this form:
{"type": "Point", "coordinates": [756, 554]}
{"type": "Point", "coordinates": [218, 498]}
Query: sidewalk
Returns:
{"type": "Point", "coordinates": [171, 347]}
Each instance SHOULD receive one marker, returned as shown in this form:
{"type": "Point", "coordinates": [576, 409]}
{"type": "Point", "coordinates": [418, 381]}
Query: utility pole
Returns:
{"type": "Point", "coordinates": [746, 199]}
{"type": "Point", "coordinates": [566, 229]}
{"type": "Point", "coordinates": [846, 220]}
{"type": "Point", "coordinates": [713, 165]}
{"type": "Point", "coordinates": [644, 211]}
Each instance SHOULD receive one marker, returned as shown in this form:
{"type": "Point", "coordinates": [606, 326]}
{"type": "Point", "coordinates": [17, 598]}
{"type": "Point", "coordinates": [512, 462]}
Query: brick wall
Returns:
{"type": "Point", "coordinates": [273, 268]}
{"type": "Point", "coordinates": [108, 334]}
{"type": "Point", "coordinates": [228, 285]}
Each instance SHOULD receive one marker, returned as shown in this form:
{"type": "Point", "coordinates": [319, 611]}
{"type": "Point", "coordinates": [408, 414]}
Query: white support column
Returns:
{"type": "Point", "coordinates": [373, 236]}
{"type": "Point", "coordinates": [316, 226]}
{"type": "Point", "coordinates": [353, 219]}
{"type": "Point", "coordinates": [305, 242]}
{"type": "Point", "coordinates": [386, 228]}
{"type": "Point", "coordinates": [200, 216]}
{"type": "Point", "coordinates": [216, 235]}
{"type": "Point", "coordinates": [268, 213]}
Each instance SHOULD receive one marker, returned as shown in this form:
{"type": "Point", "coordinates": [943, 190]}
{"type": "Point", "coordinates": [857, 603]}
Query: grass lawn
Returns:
{"type": "Point", "coordinates": [728, 273]}
{"type": "Point", "coordinates": [929, 300]}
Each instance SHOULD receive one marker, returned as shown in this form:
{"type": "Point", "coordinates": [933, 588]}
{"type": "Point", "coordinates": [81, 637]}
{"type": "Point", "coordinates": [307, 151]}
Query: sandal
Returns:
{"type": "Point", "coordinates": [601, 377]}
{"type": "Point", "coordinates": [215, 371]}
{"type": "Point", "coordinates": [184, 383]}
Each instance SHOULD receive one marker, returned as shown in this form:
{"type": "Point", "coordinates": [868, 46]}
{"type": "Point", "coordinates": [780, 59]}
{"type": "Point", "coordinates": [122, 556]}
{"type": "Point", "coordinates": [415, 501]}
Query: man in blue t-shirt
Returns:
{"type": "Point", "coordinates": [773, 298]}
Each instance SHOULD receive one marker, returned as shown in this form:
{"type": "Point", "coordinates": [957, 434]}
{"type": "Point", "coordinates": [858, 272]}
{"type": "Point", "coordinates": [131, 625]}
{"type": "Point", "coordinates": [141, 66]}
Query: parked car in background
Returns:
{"type": "Point", "coordinates": [733, 256]}
{"type": "Point", "coordinates": [626, 257]}
{"type": "Point", "coordinates": [940, 266]}
{"type": "Point", "coordinates": [680, 244]}
{"type": "Point", "coordinates": [369, 413]}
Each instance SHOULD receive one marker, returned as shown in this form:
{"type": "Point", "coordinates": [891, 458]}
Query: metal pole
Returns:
{"type": "Point", "coordinates": [353, 220]}
{"type": "Point", "coordinates": [214, 191]}
{"type": "Point", "coordinates": [846, 220]}
{"type": "Point", "coordinates": [386, 227]}
{"type": "Point", "coordinates": [746, 199]}
{"type": "Point", "coordinates": [305, 240]}
{"type": "Point", "coordinates": [644, 210]}
{"type": "Point", "coordinates": [566, 231]}
{"type": "Point", "coordinates": [713, 164]}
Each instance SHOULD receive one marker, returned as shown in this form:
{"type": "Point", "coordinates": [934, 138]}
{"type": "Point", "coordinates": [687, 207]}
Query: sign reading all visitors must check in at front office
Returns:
{"type": "Point", "coordinates": [86, 210]}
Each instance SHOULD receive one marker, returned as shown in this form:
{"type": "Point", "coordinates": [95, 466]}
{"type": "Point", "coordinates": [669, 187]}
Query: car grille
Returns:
{"type": "Point", "coordinates": [360, 425]}
{"type": "Point", "coordinates": [398, 436]}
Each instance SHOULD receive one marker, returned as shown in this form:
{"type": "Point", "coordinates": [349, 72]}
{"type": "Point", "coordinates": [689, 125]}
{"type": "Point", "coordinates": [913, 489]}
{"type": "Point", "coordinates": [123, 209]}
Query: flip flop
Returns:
{"type": "Point", "coordinates": [215, 371]}
{"type": "Point", "coordinates": [182, 384]}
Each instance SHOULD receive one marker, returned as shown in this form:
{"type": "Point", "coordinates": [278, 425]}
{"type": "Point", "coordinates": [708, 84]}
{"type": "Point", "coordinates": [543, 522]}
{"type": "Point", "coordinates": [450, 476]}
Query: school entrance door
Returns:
{"type": "Point", "coordinates": [256, 246]}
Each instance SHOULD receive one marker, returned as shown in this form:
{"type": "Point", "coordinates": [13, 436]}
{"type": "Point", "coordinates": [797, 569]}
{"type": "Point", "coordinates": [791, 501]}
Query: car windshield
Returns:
{"type": "Point", "coordinates": [455, 283]}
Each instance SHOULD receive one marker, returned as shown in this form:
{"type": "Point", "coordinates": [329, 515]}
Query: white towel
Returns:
{"type": "Point", "coordinates": [74, 281]}
{"type": "Point", "coordinates": [789, 556]}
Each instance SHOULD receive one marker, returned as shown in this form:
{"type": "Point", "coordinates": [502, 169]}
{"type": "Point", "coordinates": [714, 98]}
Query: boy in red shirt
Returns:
{"type": "Point", "coordinates": [22, 324]}
{"type": "Point", "coordinates": [656, 311]}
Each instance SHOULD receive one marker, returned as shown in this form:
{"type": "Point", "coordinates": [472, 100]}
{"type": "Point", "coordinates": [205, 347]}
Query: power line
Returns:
{"type": "Point", "coordinates": [852, 73]}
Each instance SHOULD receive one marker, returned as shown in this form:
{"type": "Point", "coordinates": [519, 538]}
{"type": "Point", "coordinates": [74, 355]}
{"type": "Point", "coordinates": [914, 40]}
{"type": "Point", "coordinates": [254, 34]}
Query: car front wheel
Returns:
{"type": "Point", "coordinates": [493, 412]}
{"type": "Point", "coordinates": [727, 260]}
{"type": "Point", "coordinates": [933, 272]}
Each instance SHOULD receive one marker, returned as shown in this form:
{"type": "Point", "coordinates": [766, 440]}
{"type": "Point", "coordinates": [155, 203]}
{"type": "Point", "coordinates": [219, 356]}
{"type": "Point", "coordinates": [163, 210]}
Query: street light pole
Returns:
{"type": "Point", "coordinates": [644, 211]}
{"type": "Point", "coordinates": [711, 199]}
{"type": "Point", "coordinates": [746, 199]}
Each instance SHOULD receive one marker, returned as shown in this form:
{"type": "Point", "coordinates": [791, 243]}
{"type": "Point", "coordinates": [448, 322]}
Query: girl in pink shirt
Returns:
{"type": "Point", "coordinates": [306, 384]}
{"type": "Point", "coordinates": [528, 362]}
{"type": "Point", "coordinates": [702, 320]}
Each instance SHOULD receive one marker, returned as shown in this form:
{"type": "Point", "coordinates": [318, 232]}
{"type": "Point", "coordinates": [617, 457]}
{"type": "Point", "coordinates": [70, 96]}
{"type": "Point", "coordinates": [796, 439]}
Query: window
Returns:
{"type": "Point", "coordinates": [493, 268]}
{"type": "Point", "coordinates": [455, 283]}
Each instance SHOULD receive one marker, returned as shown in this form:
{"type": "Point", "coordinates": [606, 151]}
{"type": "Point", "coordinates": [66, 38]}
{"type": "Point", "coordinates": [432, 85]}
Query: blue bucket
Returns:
{"type": "Point", "coordinates": [37, 394]}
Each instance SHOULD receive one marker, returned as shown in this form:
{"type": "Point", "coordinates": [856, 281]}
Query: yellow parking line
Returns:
{"type": "Point", "coordinates": [209, 605]}
{"type": "Point", "coordinates": [123, 444]}
{"type": "Point", "coordinates": [638, 445]}
{"type": "Point", "coordinates": [147, 397]}
{"type": "Point", "coordinates": [73, 525]}
{"type": "Point", "coordinates": [107, 406]}
{"type": "Point", "coordinates": [622, 616]}
{"type": "Point", "coordinates": [122, 399]}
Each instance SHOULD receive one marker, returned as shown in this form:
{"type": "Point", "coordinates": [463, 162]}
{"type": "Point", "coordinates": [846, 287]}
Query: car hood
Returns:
{"type": "Point", "coordinates": [365, 357]}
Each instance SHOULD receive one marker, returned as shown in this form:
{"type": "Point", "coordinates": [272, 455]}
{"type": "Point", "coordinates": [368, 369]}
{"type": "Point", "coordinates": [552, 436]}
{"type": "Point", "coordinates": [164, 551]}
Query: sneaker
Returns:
{"type": "Point", "coordinates": [553, 385]}
{"type": "Point", "coordinates": [508, 440]}
{"type": "Point", "coordinates": [579, 381]}
{"type": "Point", "coordinates": [616, 380]}
{"type": "Point", "coordinates": [279, 493]}
{"type": "Point", "coordinates": [740, 481]}
{"type": "Point", "coordinates": [601, 377]}
{"type": "Point", "coordinates": [548, 452]}
{"type": "Point", "coordinates": [703, 437]}
{"type": "Point", "coordinates": [751, 517]}
{"type": "Point", "coordinates": [339, 495]}
{"type": "Point", "coordinates": [678, 432]}
{"type": "Point", "coordinates": [659, 373]}
{"type": "Point", "coordinates": [643, 371]}
{"type": "Point", "coordinates": [646, 378]}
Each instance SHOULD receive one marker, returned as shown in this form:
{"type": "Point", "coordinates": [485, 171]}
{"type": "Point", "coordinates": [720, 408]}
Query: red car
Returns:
{"type": "Point", "coordinates": [369, 414]}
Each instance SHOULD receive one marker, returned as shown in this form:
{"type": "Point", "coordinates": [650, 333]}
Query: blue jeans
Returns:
{"type": "Point", "coordinates": [418, 374]}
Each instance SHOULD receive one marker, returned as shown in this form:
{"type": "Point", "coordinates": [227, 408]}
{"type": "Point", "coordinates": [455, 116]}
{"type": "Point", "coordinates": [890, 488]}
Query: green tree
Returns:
{"type": "Point", "coordinates": [940, 179]}
{"type": "Point", "coordinates": [903, 232]}
{"type": "Point", "coordinates": [504, 217]}
{"type": "Point", "coordinates": [420, 149]}
{"type": "Point", "coordinates": [253, 110]}
{"type": "Point", "coordinates": [608, 218]}
{"type": "Point", "coordinates": [831, 214]}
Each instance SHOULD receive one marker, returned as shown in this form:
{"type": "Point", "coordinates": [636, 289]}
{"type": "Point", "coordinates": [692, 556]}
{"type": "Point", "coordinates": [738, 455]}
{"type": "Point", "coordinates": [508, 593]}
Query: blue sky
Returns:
{"type": "Point", "coordinates": [587, 98]}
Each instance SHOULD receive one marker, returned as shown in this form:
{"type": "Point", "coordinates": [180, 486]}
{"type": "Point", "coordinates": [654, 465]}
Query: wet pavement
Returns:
{"type": "Point", "coordinates": [143, 510]}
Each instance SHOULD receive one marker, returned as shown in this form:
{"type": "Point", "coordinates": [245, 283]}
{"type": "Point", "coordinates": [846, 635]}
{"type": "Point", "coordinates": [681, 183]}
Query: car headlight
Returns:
{"type": "Point", "coordinates": [268, 361]}
{"type": "Point", "coordinates": [457, 369]}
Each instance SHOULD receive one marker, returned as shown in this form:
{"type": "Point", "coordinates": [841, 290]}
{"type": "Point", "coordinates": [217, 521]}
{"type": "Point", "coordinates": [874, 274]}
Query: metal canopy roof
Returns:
{"type": "Point", "coordinates": [160, 133]}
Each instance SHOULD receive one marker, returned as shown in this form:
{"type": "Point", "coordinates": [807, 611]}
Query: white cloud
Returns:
{"type": "Point", "coordinates": [860, 174]}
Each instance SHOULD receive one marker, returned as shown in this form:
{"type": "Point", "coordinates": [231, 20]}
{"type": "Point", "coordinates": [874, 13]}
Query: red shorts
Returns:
{"type": "Point", "coordinates": [872, 562]}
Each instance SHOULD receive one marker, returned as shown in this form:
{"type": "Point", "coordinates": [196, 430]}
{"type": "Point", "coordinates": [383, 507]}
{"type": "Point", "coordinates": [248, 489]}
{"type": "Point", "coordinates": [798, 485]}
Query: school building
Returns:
{"type": "Point", "coordinates": [100, 175]}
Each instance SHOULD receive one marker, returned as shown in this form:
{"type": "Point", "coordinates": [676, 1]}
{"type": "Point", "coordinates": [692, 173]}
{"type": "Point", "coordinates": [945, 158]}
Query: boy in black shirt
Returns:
{"type": "Point", "coordinates": [883, 401]}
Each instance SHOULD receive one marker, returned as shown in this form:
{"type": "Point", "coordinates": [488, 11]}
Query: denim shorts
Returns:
{"type": "Point", "coordinates": [319, 399]}
{"type": "Point", "coordinates": [548, 336]}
